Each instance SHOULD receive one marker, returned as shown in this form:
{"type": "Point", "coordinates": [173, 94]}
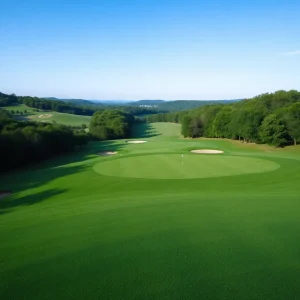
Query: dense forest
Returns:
{"type": "Point", "coordinates": [25, 142]}
{"type": "Point", "coordinates": [111, 124]}
{"type": "Point", "coordinates": [173, 117]}
{"type": "Point", "coordinates": [8, 100]}
{"type": "Point", "coordinates": [268, 118]}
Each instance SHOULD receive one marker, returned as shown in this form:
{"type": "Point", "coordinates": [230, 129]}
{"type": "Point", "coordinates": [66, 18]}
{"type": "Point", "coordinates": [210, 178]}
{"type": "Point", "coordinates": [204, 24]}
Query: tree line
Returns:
{"type": "Point", "coordinates": [55, 105]}
{"type": "Point", "coordinates": [180, 105]}
{"type": "Point", "coordinates": [44, 104]}
{"type": "Point", "coordinates": [8, 100]}
{"type": "Point", "coordinates": [173, 117]}
{"type": "Point", "coordinates": [79, 108]}
{"type": "Point", "coordinates": [272, 118]}
{"type": "Point", "coordinates": [25, 142]}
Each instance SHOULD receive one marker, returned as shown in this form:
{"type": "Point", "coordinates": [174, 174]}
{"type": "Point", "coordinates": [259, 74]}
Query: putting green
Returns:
{"type": "Point", "coordinates": [173, 166]}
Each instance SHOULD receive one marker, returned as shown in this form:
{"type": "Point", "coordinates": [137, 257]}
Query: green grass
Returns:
{"type": "Point", "coordinates": [68, 232]}
{"type": "Point", "coordinates": [174, 166]}
{"type": "Point", "coordinates": [21, 107]}
{"type": "Point", "coordinates": [59, 118]}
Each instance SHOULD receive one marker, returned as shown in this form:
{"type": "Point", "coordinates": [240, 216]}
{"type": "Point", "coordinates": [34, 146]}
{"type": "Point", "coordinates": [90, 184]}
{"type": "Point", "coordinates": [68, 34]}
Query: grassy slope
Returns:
{"type": "Point", "coordinates": [60, 118]}
{"type": "Point", "coordinates": [21, 107]}
{"type": "Point", "coordinates": [70, 233]}
{"type": "Point", "coordinates": [65, 119]}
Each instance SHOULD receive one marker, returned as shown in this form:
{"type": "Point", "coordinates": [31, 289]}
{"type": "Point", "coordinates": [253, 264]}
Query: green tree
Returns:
{"type": "Point", "coordinates": [221, 123]}
{"type": "Point", "coordinates": [291, 117]}
{"type": "Point", "coordinates": [273, 131]}
{"type": "Point", "coordinates": [111, 124]}
{"type": "Point", "coordinates": [186, 129]}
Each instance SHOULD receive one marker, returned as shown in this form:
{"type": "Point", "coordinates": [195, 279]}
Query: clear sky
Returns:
{"type": "Point", "coordinates": [149, 49]}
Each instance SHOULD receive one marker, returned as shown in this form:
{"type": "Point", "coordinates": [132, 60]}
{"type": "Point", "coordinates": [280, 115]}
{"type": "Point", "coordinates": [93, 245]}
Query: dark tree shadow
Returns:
{"type": "Point", "coordinates": [143, 130]}
{"type": "Point", "coordinates": [11, 202]}
{"type": "Point", "coordinates": [106, 146]}
{"type": "Point", "coordinates": [35, 176]}
{"type": "Point", "coordinates": [39, 174]}
{"type": "Point", "coordinates": [29, 178]}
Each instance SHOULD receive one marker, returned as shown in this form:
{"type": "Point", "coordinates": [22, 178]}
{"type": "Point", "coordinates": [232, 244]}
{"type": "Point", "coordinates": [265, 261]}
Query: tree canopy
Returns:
{"type": "Point", "coordinates": [111, 124]}
{"type": "Point", "coordinates": [268, 118]}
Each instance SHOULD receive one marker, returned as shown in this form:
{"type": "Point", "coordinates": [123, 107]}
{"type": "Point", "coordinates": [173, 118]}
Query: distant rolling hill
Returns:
{"type": "Point", "coordinates": [85, 102]}
{"type": "Point", "coordinates": [146, 102]}
{"type": "Point", "coordinates": [177, 105]}
{"type": "Point", "coordinates": [74, 101]}
{"type": "Point", "coordinates": [159, 105]}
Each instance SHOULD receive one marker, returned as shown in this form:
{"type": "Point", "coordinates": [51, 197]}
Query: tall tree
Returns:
{"type": "Point", "coordinates": [291, 117]}
{"type": "Point", "coordinates": [273, 131]}
{"type": "Point", "coordinates": [186, 130]}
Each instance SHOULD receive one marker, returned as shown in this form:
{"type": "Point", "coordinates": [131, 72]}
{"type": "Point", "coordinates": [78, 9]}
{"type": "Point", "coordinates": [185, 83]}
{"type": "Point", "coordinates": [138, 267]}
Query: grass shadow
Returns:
{"type": "Point", "coordinates": [32, 178]}
{"type": "Point", "coordinates": [9, 203]}
{"type": "Point", "coordinates": [143, 130]}
{"type": "Point", "coordinates": [38, 174]}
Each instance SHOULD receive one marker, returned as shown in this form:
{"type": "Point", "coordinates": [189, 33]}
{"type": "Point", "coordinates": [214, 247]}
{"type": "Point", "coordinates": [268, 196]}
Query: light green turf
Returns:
{"type": "Point", "coordinates": [21, 107]}
{"type": "Point", "coordinates": [59, 118]}
{"type": "Point", "coordinates": [174, 166]}
{"type": "Point", "coordinates": [68, 232]}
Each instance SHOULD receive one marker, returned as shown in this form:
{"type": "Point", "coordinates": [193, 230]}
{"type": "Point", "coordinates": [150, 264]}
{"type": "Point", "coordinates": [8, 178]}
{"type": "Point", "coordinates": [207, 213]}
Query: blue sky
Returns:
{"type": "Point", "coordinates": [151, 49]}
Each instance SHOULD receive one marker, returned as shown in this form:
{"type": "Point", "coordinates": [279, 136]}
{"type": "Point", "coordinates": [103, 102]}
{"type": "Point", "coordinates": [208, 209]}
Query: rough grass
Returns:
{"type": "Point", "coordinates": [68, 232]}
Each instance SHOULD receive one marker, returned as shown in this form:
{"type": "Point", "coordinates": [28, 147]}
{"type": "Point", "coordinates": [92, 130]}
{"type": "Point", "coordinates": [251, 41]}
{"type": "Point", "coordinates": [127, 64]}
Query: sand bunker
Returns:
{"type": "Point", "coordinates": [45, 116]}
{"type": "Point", "coordinates": [136, 142]}
{"type": "Point", "coordinates": [207, 151]}
{"type": "Point", "coordinates": [107, 153]}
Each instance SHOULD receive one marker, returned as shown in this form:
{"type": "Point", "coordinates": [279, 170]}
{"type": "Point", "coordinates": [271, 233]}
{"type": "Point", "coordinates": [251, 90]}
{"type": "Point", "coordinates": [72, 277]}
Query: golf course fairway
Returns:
{"type": "Point", "coordinates": [154, 221]}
